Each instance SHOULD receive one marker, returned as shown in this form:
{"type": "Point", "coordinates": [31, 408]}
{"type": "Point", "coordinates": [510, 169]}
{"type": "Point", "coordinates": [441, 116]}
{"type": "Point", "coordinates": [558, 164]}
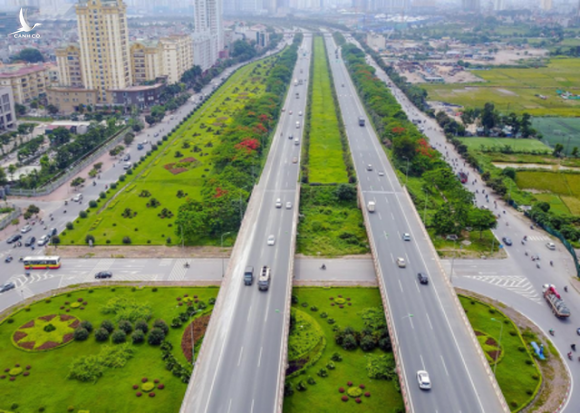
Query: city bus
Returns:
{"type": "Point", "coordinates": [41, 263]}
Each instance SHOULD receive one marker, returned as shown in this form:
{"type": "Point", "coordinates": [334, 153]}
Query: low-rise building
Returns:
{"type": "Point", "coordinates": [28, 82]}
{"type": "Point", "coordinates": [139, 96]}
{"type": "Point", "coordinates": [68, 99]}
{"type": "Point", "coordinates": [7, 113]}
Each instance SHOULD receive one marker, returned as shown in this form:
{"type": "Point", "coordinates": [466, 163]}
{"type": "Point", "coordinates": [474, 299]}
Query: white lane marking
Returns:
{"type": "Point", "coordinates": [380, 217]}
{"type": "Point", "coordinates": [240, 358]}
{"type": "Point", "coordinates": [444, 366]}
{"type": "Point", "coordinates": [417, 286]}
{"type": "Point", "coordinates": [392, 258]}
{"type": "Point", "coordinates": [429, 321]}
{"type": "Point", "coordinates": [252, 409]}
{"type": "Point", "coordinates": [260, 356]}
{"type": "Point", "coordinates": [392, 216]}
{"type": "Point", "coordinates": [249, 313]}
{"type": "Point", "coordinates": [401, 285]}
{"type": "Point", "coordinates": [230, 406]}
{"type": "Point", "coordinates": [422, 362]}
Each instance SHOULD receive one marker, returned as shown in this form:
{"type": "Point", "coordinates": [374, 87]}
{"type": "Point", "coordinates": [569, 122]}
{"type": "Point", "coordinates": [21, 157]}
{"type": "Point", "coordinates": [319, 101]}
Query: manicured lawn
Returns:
{"type": "Point", "coordinates": [516, 373]}
{"type": "Point", "coordinates": [325, 150]}
{"type": "Point", "coordinates": [173, 173]}
{"type": "Point", "coordinates": [559, 130]}
{"type": "Point", "coordinates": [324, 396]}
{"type": "Point", "coordinates": [47, 384]}
{"type": "Point", "coordinates": [515, 144]}
{"type": "Point", "coordinates": [513, 90]}
{"type": "Point", "coordinates": [330, 226]}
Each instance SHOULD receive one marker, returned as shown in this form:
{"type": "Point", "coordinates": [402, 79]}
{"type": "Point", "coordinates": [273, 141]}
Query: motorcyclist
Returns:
{"type": "Point", "coordinates": [323, 267]}
{"type": "Point", "coordinates": [566, 288]}
{"type": "Point", "coordinates": [551, 264]}
{"type": "Point", "coordinates": [573, 346]}
{"type": "Point", "coordinates": [551, 331]}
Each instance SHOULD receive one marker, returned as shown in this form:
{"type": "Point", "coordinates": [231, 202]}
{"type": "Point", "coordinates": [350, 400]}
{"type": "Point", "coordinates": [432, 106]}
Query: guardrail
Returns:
{"type": "Point", "coordinates": [52, 186]}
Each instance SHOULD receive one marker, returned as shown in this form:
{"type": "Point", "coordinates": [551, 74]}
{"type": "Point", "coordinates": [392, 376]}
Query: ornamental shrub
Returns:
{"type": "Point", "coordinates": [102, 334]}
{"type": "Point", "coordinates": [288, 389]}
{"type": "Point", "coordinates": [367, 343]}
{"type": "Point", "coordinates": [156, 336]}
{"type": "Point", "coordinates": [69, 225]}
{"type": "Point", "coordinates": [118, 337]}
{"type": "Point", "coordinates": [126, 240]}
{"type": "Point", "coordinates": [336, 357]}
{"type": "Point", "coordinates": [93, 203]}
{"type": "Point", "coordinates": [161, 386]}
{"type": "Point", "coordinates": [83, 214]}
{"type": "Point", "coordinates": [211, 301]}
{"type": "Point", "coordinates": [344, 398]}
{"type": "Point", "coordinates": [147, 387]}
{"type": "Point", "coordinates": [330, 365]}
{"type": "Point", "coordinates": [89, 238]}
{"type": "Point", "coordinates": [80, 334]}
{"type": "Point", "coordinates": [322, 373]}
{"type": "Point", "coordinates": [137, 337]}
{"type": "Point", "coordinates": [142, 325]}
{"type": "Point", "coordinates": [301, 386]}
{"type": "Point", "coordinates": [311, 380]}
{"type": "Point", "coordinates": [49, 327]}
{"type": "Point", "coordinates": [161, 324]}
{"type": "Point", "coordinates": [323, 314]}
{"type": "Point", "coordinates": [87, 325]}
{"type": "Point", "coordinates": [126, 326]}
{"type": "Point", "coordinates": [349, 342]}
{"type": "Point", "coordinates": [108, 325]}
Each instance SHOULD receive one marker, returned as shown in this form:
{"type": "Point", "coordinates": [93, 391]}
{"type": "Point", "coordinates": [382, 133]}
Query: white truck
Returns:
{"type": "Point", "coordinates": [371, 206]}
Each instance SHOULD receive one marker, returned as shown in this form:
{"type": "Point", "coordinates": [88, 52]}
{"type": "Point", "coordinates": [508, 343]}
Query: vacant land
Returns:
{"type": "Point", "coordinates": [514, 90]}
{"type": "Point", "coordinates": [517, 145]}
{"type": "Point", "coordinates": [320, 311]}
{"type": "Point", "coordinates": [565, 131]}
{"type": "Point", "coordinates": [149, 198]}
{"type": "Point", "coordinates": [517, 375]}
{"type": "Point", "coordinates": [37, 348]}
{"type": "Point", "coordinates": [326, 164]}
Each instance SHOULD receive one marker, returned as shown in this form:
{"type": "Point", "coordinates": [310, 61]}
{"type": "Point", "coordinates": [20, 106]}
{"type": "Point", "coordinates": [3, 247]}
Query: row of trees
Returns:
{"type": "Point", "coordinates": [412, 153]}
{"type": "Point", "coordinates": [239, 150]}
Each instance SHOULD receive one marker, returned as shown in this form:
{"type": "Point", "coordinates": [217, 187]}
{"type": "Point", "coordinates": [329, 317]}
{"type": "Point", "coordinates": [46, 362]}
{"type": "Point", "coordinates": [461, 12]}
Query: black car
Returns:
{"type": "Point", "coordinates": [51, 232]}
{"type": "Point", "coordinates": [14, 238]}
{"type": "Point", "coordinates": [507, 241]}
{"type": "Point", "coordinates": [29, 241]}
{"type": "Point", "coordinates": [7, 286]}
{"type": "Point", "coordinates": [104, 274]}
{"type": "Point", "coordinates": [127, 157]}
{"type": "Point", "coordinates": [423, 279]}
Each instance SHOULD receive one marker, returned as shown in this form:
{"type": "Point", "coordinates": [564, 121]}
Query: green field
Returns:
{"type": "Point", "coordinates": [46, 386]}
{"type": "Point", "coordinates": [559, 130]}
{"type": "Point", "coordinates": [561, 190]}
{"type": "Point", "coordinates": [517, 375]}
{"type": "Point", "coordinates": [513, 90]}
{"type": "Point", "coordinates": [172, 174]}
{"type": "Point", "coordinates": [326, 162]}
{"type": "Point", "coordinates": [516, 144]}
{"type": "Point", "coordinates": [323, 396]}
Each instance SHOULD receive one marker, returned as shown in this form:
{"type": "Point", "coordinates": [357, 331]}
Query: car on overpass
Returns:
{"type": "Point", "coordinates": [401, 262]}
{"type": "Point", "coordinates": [422, 277]}
{"type": "Point", "coordinates": [104, 274]}
{"type": "Point", "coordinates": [423, 380]}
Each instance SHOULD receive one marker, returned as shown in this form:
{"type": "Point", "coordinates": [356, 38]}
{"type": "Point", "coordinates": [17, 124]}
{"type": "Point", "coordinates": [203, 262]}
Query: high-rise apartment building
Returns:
{"type": "Point", "coordinates": [547, 5]}
{"type": "Point", "coordinates": [68, 60]}
{"type": "Point", "coordinates": [7, 113]}
{"type": "Point", "coordinates": [208, 34]}
{"type": "Point", "coordinates": [471, 5]}
{"type": "Point", "coordinates": [169, 57]}
{"type": "Point", "coordinates": [104, 45]}
{"type": "Point", "coordinates": [146, 61]}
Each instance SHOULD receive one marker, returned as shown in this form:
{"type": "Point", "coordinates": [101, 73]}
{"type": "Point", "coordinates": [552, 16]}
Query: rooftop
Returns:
{"type": "Point", "coordinates": [19, 70]}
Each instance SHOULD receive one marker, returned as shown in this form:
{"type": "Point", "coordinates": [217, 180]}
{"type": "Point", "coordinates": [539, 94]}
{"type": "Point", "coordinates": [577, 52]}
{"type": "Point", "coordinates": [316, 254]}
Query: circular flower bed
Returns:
{"type": "Point", "coordinates": [354, 392]}
{"type": "Point", "coordinates": [36, 335]}
{"type": "Point", "coordinates": [15, 372]}
{"type": "Point", "coordinates": [339, 300]}
{"type": "Point", "coordinates": [75, 305]}
{"type": "Point", "coordinates": [147, 387]}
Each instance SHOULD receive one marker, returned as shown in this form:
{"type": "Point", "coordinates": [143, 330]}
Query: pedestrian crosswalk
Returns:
{"type": "Point", "coordinates": [538, 238]}
{"type": "Point", "coordinates": [516, 283]}
{"type": "Point", "coordinates": [21, 279]}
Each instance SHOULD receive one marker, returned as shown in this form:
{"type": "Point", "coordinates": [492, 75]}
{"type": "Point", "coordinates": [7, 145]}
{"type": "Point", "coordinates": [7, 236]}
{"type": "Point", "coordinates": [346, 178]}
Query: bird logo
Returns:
{"type": "Point", "coordinates": [25, 26]}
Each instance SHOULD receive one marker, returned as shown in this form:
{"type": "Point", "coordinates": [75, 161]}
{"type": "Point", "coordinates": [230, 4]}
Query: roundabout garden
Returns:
{"type": "Point", "coordinates": [339, 353]}
{"type": "Point", "coordinates": [123, 343]}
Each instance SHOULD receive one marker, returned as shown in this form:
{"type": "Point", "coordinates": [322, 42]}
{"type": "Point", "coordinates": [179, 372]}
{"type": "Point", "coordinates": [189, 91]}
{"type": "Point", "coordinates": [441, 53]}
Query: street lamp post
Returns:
{"type": "Point", "coordinates": [222, 246]}
{"type": "Point", "coordinates": [499, 344]}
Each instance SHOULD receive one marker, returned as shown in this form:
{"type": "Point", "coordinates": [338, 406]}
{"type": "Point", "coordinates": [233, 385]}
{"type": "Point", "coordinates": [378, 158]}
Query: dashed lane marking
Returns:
{"type": "Point", "coordinates": [516, 283]}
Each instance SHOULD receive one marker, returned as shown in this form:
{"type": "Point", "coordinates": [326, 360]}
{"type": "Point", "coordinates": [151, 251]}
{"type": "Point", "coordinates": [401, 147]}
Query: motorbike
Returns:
{"type": "Point", "coordinates": [8, 259]}
{"type": "Point", "coordinates": [552, 332]}
{"type": "Point", "coordinates": [323, 267]}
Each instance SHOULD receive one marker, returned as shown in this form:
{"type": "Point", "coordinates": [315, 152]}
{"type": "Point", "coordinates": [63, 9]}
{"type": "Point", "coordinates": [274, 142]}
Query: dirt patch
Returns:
{"type": "Point", "coordinates": [48, 345]}
{"type": "Point", "coordinates": [494, 354]}
{"type": "Point", "coordinates": [28, 345]}
{"type": "Point", "coordinates": [30, 324]}
{"type": "Point", "coordinates": [65, 317]}
{"type": "Point", "coordinates": [507, 92]}
{"type": "Point", "coordinates": [491, 342]}
{"type": "Point", "coordinates": [555, 383]}
{"type": "Point", "coordinates": [160, 251]}
{"type": "Point", "coordinates": [199, 326]}
{"type": "Point", "coordinates": [47, 317]}
{"type": "Point", "coordinates": [19, 335]}
{"type": "Point", "coordinates": [67, 337]}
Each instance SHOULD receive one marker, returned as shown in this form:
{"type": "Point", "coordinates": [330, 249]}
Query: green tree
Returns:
{"type": "Point", "coordinates": [481, 220]}
{"type": "Point", "coordinates": [405, 147]}
{"type": "Point", "coordinates": [509, 172]}
{"type": "Point", "coordinates": [53, 110]}
{"type": "Point", "coordinates": [575, 152]}
{"type": "Point", "coordinates": [78, 181]}
{"type": "Point", "coordinates": [558, 149]}
{"type": "Point", "coordinates": [526, 125]}
{"type": "Point", "coordinates": [28, 55]}
{"type": "Point", "coordinates": [488, 116]}
{"type": "Point", "coordinates": [443, 220]}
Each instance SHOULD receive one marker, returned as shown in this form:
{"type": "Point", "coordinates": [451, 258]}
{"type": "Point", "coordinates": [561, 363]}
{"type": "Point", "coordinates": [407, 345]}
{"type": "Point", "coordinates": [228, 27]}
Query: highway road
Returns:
{"type": "Point", "coordinates": [427, 323]}
{"type": "Point", "coordinates": [516, 280]}
{"type": "Point", "coordinates": [242, 359]}
{"type": "Point", "coordinates": [64, 213]}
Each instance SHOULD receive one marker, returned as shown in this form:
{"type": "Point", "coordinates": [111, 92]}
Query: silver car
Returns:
{"type": "Point", "coordinates": [423, 380]}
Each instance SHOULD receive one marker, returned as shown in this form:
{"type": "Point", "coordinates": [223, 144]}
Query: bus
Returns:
{"type": "Point", "coordinates": [41, 263]}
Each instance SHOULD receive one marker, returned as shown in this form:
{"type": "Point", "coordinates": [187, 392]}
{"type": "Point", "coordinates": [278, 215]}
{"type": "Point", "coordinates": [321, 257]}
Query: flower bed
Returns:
{"type": "Point", "coordinates": [45, 332]}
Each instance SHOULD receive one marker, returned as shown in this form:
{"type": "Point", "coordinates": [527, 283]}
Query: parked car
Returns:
{"type": "Point", "coordinates": [29, 241]}
{"type": "Point", "coordinates": [13, 238]}
{"type": "Point", "coordinates": [42, 241]}
{"type": "Point", "coordinates": [25, 229]}
{"type": "Point", "coordinates": [422, 277]}
{"type": "Point", "coordinates": [423, 380]}
{"type": "Point", "coordinates": [104, 274]}
{"type": "Point", "coordinates": [7, 286]}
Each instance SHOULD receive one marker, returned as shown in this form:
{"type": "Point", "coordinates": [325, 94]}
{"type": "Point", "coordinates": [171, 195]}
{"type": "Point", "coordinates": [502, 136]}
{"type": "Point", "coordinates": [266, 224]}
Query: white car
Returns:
{"type": "Point", "coordinates": [300, 113]}
{"type": "Point", "coordinates": [25, 229]}
{"type": "Point", "coordinates": [290, 112]}
{"type": "Point", "coordinates": [43, 240]}
{"type": "Point", "coordinates": [288, 205]}
{"type": "Point", "coordinates": [278, 203]}
{"type": "Point", "coordinates": [423, 380]}
{"type": "Point", "coordinates": [401, 262]}
{"type": "Point", "coordinates": [77, 197]}
{"type": "Point", "coordinates": [406, 236]}
{"type": "Point", "coordinates": [283, 109]}
{"type": "Point", "coordinates": [551, 246]}
{"type": "Point", "coordinates": [271, 240]}
{"type": "Point", "coordinates": [381, 173]}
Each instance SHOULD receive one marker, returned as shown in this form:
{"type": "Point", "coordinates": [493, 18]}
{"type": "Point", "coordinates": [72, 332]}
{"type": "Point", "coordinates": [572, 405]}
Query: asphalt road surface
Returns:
{"type": "Point", "coordinates": [427, 323]}
{"type": "Point", "coordinates": [242, 360]}
{"type": "Point", "coordinates": [516, 280]}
